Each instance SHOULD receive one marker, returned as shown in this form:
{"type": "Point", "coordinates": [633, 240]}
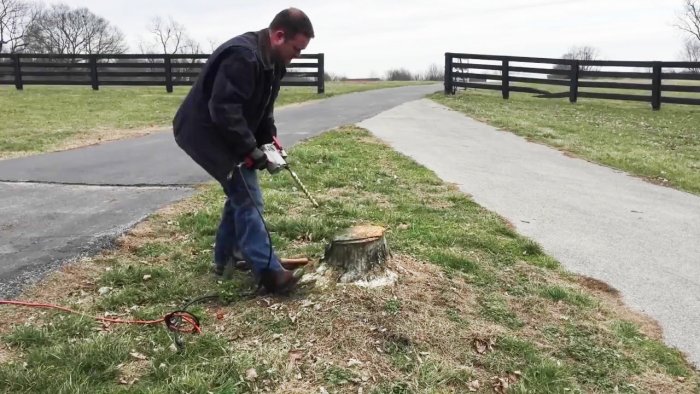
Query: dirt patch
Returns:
{"type": "Point", "coordinates": [597, 285]}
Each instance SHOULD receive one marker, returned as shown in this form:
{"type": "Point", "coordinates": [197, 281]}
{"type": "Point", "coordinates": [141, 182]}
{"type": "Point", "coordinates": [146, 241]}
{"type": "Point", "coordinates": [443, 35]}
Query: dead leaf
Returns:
{"type": "Point", "coordinates": [353, 362]}
{"type": "Point", "coordinates": [500, 385]}
{"type": "Point", "coordinates": [138, 356]}
{"type": "Point", "coordinates": [128, 382]}
{"type": "Point", "coordinates": [514, 376]}
{"type": "Point", "coordinates": [474, 386]}
{"type": "Point", "coordinates": [251, 374]}
{"type": "Point", "coordinates": [482, 346]}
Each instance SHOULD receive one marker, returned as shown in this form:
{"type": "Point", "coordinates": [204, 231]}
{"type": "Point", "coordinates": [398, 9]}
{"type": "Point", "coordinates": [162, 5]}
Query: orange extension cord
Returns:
{"type": "Point", "coordinates": [171, 320]}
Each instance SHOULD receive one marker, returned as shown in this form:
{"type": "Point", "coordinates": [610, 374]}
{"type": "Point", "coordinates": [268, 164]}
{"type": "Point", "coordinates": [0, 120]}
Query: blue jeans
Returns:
{"type": "Point", "coordinates": [242, 230]}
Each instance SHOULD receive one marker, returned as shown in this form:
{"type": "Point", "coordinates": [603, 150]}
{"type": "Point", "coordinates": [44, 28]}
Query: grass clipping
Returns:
{"type": "Point", "coordinates": [475, 308]}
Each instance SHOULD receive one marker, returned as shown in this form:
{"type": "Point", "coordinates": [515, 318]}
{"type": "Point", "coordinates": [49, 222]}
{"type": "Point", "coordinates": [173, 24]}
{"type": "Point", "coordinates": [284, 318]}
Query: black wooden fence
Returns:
{"type": "Point", "coordinates": [649, 80]}
{"type": "Point", "coordinates": [132, 70]}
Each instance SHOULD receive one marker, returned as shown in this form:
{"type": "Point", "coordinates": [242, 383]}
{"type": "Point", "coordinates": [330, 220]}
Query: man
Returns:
{"type": "Point", "coordinates": [223, 121]}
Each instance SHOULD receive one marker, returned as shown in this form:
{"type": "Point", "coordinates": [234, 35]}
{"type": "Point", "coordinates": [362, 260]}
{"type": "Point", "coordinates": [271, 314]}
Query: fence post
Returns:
{"type": "Point", "coordinates": [93, 72]}
{"type": "Point", "coordinates": [505, 80]}
{"type": "Point", "coordinates": [320, 79]}
{"type": "Point", "coordinates": [656, 87]}
{"type": "Point", "coordinates": [449, 88]}
{"type": "Point", "coordinates": [167, 63]}
{"type": "Point", "coordinates": [573, 86]}
{"type": "Point", "coordinates": [19, 85]}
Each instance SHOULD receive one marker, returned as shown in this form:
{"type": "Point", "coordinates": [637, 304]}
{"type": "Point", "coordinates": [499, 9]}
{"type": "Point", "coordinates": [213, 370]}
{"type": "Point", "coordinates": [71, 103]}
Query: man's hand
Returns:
{"type": "Point", "coordinates": [279, 147]}
{"type": "Point", "coordinates": [256, 159]}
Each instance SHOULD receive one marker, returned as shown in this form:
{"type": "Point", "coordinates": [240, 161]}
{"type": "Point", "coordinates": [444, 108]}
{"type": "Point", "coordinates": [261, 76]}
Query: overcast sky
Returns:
{"type": "Point", "coordinates": [363, 38]}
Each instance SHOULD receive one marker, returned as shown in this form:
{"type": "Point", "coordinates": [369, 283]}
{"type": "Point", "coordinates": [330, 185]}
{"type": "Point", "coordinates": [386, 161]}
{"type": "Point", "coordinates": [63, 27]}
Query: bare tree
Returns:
{"type": "Point", "coordinates": [689, 20]}
{"type": "Point", "coordinates": [584, 53]}
{"type": "Point", "coordinates": [434, 73]}
{"type": "Point", "coordinates": [62, 30]}
{"type": "Point", "coordinates": [213, 44]}
{"type": "Point", "coordinates": [400, 74]}
{"type": "Point", "coordinates": [15, 17]}
{"type": "Point", "coordinates": [691, 53]}
{"type": "Point", "coordinates": [169, 36]}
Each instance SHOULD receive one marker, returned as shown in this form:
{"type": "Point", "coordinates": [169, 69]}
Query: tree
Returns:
{"type": "Point", "coordinates": [62, 30]}
{"type": "Point", "coordinates": [584, 53]}
{"type": "Point", "coordinates": [689, 20]}
{"type": "Point", "coordinates": [15, 17]}
{"type": "Point", "coordinates": [691, 53]}
{"type": "Point", "coordinates": [169, 36]}
{"type": "Point", "coordinates": [399, 74]}
{"type": "Point", "coordinates": [434, 73]}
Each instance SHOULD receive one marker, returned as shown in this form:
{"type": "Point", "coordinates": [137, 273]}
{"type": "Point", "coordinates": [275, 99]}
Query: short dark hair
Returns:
{"type": "Point", "coordinates": [293, 21]}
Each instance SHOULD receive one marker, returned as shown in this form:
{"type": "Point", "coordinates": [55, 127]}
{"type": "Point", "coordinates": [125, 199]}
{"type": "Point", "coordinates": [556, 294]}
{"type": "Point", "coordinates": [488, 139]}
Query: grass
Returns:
{"type": "Point", "coordinates": [471, 309]}
{"type": "Point", "coordinates": [661, 146]}
{"type": "Point", "coordinates": [47, 118]}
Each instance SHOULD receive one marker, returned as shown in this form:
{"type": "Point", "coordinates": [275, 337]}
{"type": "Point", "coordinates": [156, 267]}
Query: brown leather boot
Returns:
{"type": "Point", "coordinates": [281, 282]}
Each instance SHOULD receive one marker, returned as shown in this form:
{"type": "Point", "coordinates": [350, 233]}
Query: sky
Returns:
{"type": "Point", "coordinates": [365, 38]}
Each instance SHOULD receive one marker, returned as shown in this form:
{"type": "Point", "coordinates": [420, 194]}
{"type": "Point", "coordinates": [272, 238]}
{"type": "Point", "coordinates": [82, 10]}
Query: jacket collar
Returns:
{"type": "Point", "coordinates": [264, 48]}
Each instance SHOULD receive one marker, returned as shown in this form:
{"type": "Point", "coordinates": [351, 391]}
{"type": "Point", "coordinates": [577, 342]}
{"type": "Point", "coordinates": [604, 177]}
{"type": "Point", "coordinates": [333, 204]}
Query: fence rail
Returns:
{"type": "Point", "coordinates": [133, 70]}
{"type": "Point", "coordinates": [646, 81]}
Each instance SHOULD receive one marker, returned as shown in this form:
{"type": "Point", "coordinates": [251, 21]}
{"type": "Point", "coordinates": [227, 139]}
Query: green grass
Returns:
{"type": "Point", "coordinates": [662, 146]}
{"type": "Point", "coordinates": [46, 118]}
{"type": "Point", "coordinates": [556, 335]}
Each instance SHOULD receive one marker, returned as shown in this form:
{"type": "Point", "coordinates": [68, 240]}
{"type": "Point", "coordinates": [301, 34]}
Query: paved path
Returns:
{"type": "Point", "coordinates": [642, 239]}
{"type": "Point", "coordinates": [58, 206]}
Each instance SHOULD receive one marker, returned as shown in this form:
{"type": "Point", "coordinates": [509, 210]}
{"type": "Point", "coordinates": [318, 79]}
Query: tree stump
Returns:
{"type": "Point", "coordinates": [358, 253]}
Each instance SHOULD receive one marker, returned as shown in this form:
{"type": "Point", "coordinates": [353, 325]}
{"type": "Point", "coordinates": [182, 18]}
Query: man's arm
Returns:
{"type": "Point", "coordinates": [233, 86]}
{"type": "Point", "coordinates": [267, 128]}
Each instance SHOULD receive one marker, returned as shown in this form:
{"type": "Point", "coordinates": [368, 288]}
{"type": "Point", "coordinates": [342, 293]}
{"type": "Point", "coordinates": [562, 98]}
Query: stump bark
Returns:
{"type": "Point", "coordinates": [358, 253]}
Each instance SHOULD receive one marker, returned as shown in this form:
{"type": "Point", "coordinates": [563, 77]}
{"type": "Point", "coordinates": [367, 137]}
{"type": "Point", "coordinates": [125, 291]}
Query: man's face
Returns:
{"type": "Point", "coordinates": [285, 49]}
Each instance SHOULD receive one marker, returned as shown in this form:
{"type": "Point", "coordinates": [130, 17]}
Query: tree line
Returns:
{"type": "Point", "coordinates": [29, 27]}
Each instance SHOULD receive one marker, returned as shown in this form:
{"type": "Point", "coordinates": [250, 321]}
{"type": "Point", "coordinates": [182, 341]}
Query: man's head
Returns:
{"type": "Point", "coordinates": [290, 33]}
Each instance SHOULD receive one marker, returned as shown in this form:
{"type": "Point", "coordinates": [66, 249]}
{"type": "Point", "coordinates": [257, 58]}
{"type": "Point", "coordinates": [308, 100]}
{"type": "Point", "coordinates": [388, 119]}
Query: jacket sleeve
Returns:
{"type": "Point", "coordinates": [267, 128]}
{"type": "Point", "coordinates": [234, 84]}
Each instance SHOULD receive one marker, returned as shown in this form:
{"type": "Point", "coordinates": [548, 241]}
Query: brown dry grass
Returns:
{"type": "Point", "coordinates": [95, 137]}
{"type": "Point", "coordinates": [349, 327]}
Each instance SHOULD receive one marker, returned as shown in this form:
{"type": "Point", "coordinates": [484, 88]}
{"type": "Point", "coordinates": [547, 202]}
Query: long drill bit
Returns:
{"type": "Point", "coordinates": [301, 185]}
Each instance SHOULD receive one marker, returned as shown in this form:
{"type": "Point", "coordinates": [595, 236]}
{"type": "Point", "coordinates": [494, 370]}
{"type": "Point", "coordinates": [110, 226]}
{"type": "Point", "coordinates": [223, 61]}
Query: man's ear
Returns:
{"type": "Point", "coordinates": [278, 36]}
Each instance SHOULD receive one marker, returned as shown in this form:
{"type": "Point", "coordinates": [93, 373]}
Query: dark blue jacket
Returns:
{"type": "Point", "coordinates": [229, 110]}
